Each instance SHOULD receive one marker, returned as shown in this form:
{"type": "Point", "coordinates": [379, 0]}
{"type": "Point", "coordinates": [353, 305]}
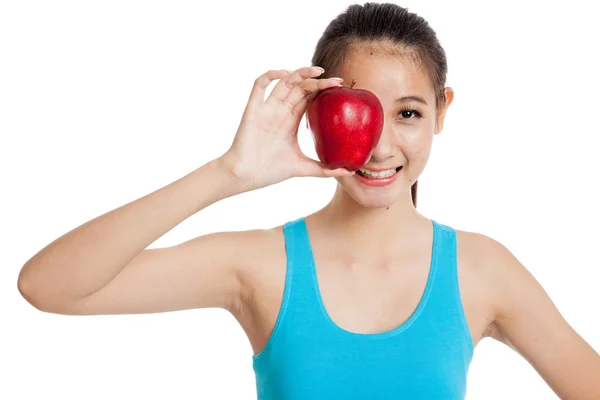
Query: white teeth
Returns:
{"type": "Point", "coordinates": [380, 174]}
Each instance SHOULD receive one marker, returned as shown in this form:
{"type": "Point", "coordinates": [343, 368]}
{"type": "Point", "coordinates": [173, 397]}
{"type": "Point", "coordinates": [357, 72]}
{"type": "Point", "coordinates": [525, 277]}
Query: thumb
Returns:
{"type": "Point", "coordinates": [310, 167]}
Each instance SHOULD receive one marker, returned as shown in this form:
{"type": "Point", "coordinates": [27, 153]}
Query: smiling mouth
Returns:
{"type": "Point", "coordinates": [378, 175]}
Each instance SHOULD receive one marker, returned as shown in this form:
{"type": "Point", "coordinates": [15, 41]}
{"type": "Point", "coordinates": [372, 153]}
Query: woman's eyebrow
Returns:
{"type": "Point", "coordinates": [411, 98]}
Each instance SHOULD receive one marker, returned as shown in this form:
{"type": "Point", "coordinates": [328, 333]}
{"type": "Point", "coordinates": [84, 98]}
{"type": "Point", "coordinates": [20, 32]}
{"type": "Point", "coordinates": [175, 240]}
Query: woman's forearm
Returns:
{"type": "Point", "coordinates": [87, 258]}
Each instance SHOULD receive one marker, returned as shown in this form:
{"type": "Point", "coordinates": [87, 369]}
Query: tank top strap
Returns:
{"type": "Point", "coordinates": [300, 293]}
{"type": "Point", "coordinates": [299, 254]}
{"type": "Point", "coordinates": [444, 307]}
{"type": "Point", "coordinates": [445, 257]}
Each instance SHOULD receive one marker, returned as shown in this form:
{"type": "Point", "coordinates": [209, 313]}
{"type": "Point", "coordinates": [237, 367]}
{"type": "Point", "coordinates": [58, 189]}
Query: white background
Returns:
{"type": "Point", "coordinates": [104, 102]}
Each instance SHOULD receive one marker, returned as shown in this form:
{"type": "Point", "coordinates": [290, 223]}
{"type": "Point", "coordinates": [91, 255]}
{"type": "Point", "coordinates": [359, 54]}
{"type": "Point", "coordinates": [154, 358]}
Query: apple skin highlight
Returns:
{"type": "Point", "coordinates": [346, 125]}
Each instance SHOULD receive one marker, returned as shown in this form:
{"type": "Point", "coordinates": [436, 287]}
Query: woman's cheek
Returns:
{"type": "Point", "coordinates": [418, 147]}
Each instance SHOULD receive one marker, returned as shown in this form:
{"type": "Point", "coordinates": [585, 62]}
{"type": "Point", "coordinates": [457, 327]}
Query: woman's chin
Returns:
{"type": "Point", "coordinates": [373, 198]}
{"type": "Point", "coordinates": [378, 200]}
{"type": "Point", "coordinates": [379, 203]}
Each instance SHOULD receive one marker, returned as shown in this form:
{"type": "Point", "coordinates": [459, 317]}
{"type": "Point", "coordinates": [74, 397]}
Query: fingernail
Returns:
{"type": "Point", "coordinates": [320, 69]}
{"type": "Point", "coordinates": [338, 79]}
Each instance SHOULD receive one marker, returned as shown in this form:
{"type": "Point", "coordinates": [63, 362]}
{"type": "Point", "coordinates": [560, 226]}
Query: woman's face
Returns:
{"type": "Point", "coordinates": [409, 124]}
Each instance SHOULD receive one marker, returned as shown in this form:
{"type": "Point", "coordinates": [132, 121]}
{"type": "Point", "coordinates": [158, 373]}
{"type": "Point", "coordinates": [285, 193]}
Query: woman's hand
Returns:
{"type": "Point", "coordinates": [265, 149]}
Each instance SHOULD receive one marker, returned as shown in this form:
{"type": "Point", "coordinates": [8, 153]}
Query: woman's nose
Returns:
{"type": "Point", "coordinates": [386, 148]}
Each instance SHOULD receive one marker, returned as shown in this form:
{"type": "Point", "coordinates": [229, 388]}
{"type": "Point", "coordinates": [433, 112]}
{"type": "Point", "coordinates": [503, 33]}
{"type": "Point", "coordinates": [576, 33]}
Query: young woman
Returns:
{"type": "Point", "coordinates": [365, 298]}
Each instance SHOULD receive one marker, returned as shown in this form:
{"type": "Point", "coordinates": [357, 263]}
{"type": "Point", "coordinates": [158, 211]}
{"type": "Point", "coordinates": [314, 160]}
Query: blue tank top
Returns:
{"type": "Point", "coordinates": [308, 356]}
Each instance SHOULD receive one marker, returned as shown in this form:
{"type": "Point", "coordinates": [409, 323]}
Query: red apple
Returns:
{"type": "Point", "coordinates": [346, 125]}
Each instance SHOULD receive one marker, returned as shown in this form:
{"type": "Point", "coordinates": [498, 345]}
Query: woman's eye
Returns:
{"type": "Point", "coordinates": [407, 114]}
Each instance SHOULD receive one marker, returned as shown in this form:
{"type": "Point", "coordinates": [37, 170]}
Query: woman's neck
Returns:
{"type": "Point", "coordinates": [369, 228]}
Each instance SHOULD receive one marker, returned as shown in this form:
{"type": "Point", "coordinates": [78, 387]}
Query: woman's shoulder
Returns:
{"type": "Point", "coordinates": [485, 268]}
{"type": "Point", "coordinates": [499, 274]}
{"type": "Point", "coordinates": [482, 251]}
{"type": "Point", "coordinates": [254, 244]}
{"type": "Point", "coordinates": [483, 256]}
{"type": "Point", "coordinates": [258, 251]}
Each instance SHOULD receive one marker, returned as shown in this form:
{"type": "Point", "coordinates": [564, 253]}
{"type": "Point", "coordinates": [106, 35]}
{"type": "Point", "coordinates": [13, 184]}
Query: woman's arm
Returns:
{"type": "Point", "coordinates": [101, 266]}
{"type": "Point", "coordinates": [528, 321]}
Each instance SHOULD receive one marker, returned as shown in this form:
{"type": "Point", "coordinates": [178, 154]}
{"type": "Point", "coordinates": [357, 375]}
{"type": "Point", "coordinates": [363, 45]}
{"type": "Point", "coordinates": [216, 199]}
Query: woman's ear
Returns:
{"type": "Point", "coordinates": [441, 113]}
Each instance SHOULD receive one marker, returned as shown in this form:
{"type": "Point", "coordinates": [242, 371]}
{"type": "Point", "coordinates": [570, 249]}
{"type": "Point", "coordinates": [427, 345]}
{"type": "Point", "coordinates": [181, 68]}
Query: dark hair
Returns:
{"type": "Point", "coordinates": [388, 28]}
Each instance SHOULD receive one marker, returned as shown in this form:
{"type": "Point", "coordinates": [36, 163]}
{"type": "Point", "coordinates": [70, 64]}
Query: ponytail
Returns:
{"type": "Point", "coordinates": [413, 192]}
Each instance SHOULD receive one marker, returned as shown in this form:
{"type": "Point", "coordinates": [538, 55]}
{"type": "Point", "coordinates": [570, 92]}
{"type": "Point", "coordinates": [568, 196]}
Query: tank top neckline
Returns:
{"type": "Point", "coordinates": [377, 335]}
